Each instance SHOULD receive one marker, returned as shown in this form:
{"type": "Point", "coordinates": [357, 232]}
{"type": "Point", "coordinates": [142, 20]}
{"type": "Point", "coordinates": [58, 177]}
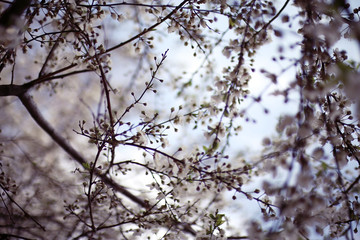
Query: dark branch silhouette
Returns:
{"type": "Point", "coordinates": [13, 12]}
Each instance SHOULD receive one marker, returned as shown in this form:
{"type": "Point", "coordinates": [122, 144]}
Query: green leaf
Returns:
{"type": "Point", "coordinates": [324, 166]}
{"type": "Point", "coordinates": [231, 23]}
{"type": "Point", "coordinates": [205, 148]}
{"type": "Point", "coordinates": [219, 219]}
{"type": "Point", "coordinates": [86, 166]}
{"type": "Point", "coordinates": [215, 145]}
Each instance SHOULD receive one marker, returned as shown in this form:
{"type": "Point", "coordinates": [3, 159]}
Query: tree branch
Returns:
{"type": "Point", "coordinates": [11, 14]}
{"type": "Point", "coordinates": [146, 30]}
{"type": "Point", "coordinates": [12, 90]}
{"type": "Point", "coordinates": [31, 107]}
